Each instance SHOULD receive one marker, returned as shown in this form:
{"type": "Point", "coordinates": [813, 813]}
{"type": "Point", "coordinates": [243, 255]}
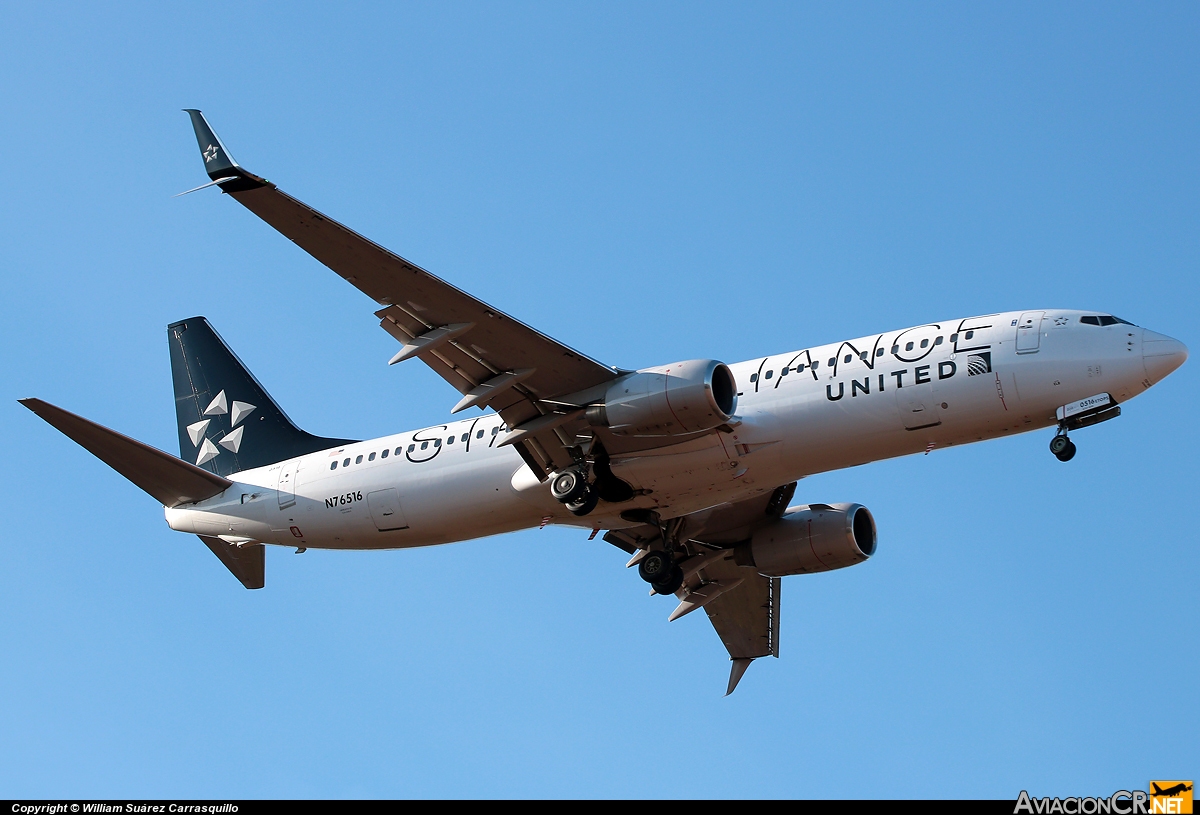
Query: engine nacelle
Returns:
{"type": "Point", "coordinates": [815, 538]}
{"type": "Point", "coordinates": [670, 400]}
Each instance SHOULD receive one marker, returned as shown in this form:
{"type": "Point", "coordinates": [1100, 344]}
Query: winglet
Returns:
{"type": "Point", "coordinates": [218, 163]}
{"type": "Point", "coordinates": [737, 672]}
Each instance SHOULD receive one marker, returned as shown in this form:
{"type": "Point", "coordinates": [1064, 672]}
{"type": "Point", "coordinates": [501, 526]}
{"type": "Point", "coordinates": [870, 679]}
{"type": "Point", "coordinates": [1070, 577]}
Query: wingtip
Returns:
{"type": "Point", "coordinates": [737, 672]}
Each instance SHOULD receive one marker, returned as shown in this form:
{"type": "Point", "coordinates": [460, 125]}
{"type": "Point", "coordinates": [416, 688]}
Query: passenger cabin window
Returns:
{"type": "Point", "coordinates": [832, 361]}
{"type": "Point", "coordinates": [371, 457]}
{"type": "Point", "coordinates": [412, 447]}
{"type": "Point", "coordinates": [862, 355]}
{"type": "Point", "coordinates": [495, 430]}
{"type": "Point", "coordinates": [800, 368]}
{"type": "Point", "coordinates": [479, 435]}
{"type": "Point", "coordinates": [346, 463]}
{"type": "Point", "coordinates": [925, 343]}
{"type": "Point", "coordinates": [784, 372]}
{"type": "Point", "coordinates": [333, 465]}
{"type": "Point", "coordinates": [400, 450]}
{"type": "Point", "coordinates": [879, 352]}
{"type": "Point", "coordinates": [753, 378]}
{"type": "Point", "coordinates": [358, 460]}
{"type": "Point", "coordinates": [449, 440]}
{"type": "Point", "coordinates": [465, 436]}
{"type": "Point", "coordinates": [938, 341]}
{"type": "Point", "coordinates": [437, 442]}
{"type": "Point", "coordinates": [424, 445]}
{"type": "Point", "coordinates": [848, 357]}
{"type": "Point", "coordinates": [384, 454]}
{"type": "Point", "coordinates": [895, 349]}
{"type": "Point", "coordinates": [770, 374]}
{"type": "Point", "coordinates": [908, 347]}
{"type": "Point", "coordinates": [970, 334]}
{"type": "Point", "coordinates": [816, 364]}
{"type": "Point", "coordinates": [953, 338]}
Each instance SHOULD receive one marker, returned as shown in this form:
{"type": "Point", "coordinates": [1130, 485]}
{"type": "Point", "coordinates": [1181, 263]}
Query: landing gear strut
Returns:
{"type": "Point", "coordinates": [1062, 447]}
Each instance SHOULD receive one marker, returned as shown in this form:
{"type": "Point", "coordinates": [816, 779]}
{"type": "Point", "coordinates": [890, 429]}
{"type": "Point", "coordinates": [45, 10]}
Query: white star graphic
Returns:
{"type": "Point", "coordinates": [210, 153]}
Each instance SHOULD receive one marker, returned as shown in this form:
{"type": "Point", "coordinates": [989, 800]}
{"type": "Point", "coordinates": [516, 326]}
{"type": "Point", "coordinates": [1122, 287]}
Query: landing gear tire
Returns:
{"type": "Point", "coordinates": [1062, 448]}
{"type": "Point", "coordinates": [656, 566]}
{"type": "Point", "coordinates": [584, 505]}
{"type": "Point", "coordinates": [569, 486]}
{"type": "Point", "coordinates": [671, 584]}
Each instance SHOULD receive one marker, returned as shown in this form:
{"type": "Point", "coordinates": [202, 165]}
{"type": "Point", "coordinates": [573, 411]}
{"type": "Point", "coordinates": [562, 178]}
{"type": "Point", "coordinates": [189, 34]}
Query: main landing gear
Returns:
{"type": "Point", "coordinates": [571, 488]}
{"type": "Point", "coordinates": [1062, 447]}
{"type": "Point", "coordinates": [658, 569]}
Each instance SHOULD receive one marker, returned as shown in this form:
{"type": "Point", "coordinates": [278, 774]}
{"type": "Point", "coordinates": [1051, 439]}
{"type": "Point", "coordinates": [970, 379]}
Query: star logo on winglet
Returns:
{"type": "Point", "coordinates": [210, 153]}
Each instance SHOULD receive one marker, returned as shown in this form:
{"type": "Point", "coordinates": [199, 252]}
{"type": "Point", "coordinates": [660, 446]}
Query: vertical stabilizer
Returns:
{"type": "Point", "coordinates": [227, 422]}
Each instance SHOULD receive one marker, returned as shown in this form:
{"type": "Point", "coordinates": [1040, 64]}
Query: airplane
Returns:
{"type": "Point", "coordinates": [689, 467]}
{"type": "Point", "coordinates": [1170, 792]}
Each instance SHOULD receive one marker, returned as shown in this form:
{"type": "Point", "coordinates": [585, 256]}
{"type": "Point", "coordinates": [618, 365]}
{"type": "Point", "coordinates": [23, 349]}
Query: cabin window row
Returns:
{"type": "Point", "coordinates": [863, 355]}
{"type": "Point", "coordinates": [479, 434]}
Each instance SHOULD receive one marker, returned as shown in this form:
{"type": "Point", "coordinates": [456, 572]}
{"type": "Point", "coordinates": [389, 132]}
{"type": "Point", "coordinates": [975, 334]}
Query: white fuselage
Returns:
{"type": "Point", "coordinates": [800, 413]}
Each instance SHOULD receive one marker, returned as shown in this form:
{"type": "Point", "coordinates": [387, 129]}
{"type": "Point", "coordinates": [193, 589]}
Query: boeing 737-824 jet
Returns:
{"type": "Point", "coordinates": [689, 467]}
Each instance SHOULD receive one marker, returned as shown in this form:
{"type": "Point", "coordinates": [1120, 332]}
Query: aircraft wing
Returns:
{"type": "Point", "coordinates": [742, 604]}
{"type": "Point", "coordinates": [491, 358]}
{"type": "Point", "coordinates": [746, 618]}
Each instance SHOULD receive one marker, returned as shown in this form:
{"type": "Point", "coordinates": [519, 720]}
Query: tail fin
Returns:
{"type": "Point", "coordinates": [227, 422]}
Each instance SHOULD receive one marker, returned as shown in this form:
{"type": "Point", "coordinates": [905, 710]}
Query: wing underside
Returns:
{"type": "Point", "coordinates": [491, 358]}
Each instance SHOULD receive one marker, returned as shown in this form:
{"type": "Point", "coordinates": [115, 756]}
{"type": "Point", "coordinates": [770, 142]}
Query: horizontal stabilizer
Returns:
{"type": "Point", "coordinates": [246, 562]}
{"type": "Point", "coordinates": [169, 480]}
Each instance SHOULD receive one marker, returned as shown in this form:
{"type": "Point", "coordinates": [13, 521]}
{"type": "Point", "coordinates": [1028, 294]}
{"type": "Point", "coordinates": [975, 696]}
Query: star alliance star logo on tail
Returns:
{"type": "Point", "coordinates": [232, 440]}
{"type": "Point", "coordinates": [210, 153]}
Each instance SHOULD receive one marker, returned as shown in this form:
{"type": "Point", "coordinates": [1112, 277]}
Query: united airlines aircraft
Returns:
{"type": "Point", "coordinates": [689, 467]}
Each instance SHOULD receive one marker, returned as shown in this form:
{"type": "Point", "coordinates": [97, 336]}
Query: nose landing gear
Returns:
{"type": "Point", "coordinates": [1062, 447]}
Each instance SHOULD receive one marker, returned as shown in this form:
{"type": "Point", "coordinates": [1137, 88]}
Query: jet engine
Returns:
{"type": "Point", "coordinates": [669, 400]}
{"type": "Point", "coordinates": [814, 538]}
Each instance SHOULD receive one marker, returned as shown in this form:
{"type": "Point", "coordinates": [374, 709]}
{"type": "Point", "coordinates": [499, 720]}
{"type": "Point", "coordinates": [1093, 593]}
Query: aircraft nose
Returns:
{"type": "Point", "coordinates": [1161, 355]}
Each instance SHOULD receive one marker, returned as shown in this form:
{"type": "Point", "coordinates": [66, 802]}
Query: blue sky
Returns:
{"type": "Point", "coordinates": [648, 183]}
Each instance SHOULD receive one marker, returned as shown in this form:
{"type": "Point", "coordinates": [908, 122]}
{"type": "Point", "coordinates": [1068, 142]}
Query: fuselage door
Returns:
{"type": "Point", "coordinates": [386, 511]}
{"type": "Point", "coordinates": [917, 406]}
{"type": "Point", "coordinates": [287, 483]}
{"type": "Point", "coordinates": [1029, 332]}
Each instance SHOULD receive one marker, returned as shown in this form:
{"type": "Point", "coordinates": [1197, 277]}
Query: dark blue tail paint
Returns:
{"type": "Point", "coordinates": [227, 422]}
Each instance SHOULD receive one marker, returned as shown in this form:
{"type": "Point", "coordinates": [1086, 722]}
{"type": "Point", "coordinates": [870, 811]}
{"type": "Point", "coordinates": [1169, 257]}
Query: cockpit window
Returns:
{"type": "Point", "coordinates": [1103, 319]}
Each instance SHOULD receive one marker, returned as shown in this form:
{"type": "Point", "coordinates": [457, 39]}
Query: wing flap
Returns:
{"type": "Point", "coordinates": [747, 617]}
